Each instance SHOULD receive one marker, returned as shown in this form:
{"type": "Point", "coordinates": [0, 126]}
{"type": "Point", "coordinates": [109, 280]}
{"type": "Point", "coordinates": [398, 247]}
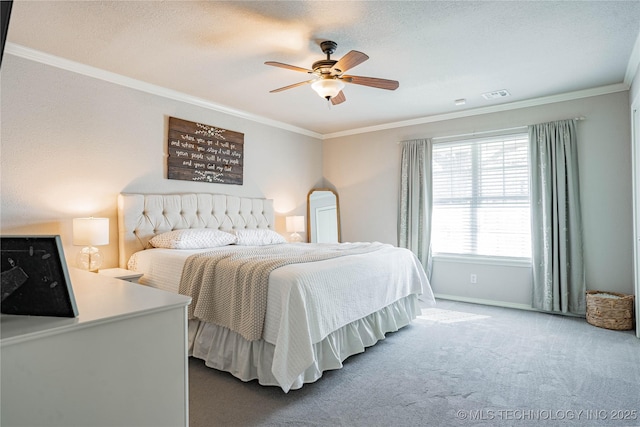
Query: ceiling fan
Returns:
{"type": "Point", "coordinates": [329, 77]}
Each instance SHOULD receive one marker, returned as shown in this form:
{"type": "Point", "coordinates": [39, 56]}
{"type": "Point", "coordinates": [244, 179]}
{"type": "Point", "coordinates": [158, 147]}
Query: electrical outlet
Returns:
{"type": "Point", "coordinates": [473, 278]}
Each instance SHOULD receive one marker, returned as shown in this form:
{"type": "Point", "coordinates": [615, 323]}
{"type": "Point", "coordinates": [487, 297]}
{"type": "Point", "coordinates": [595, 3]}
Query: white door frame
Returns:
{"type": "Point", "coordinates": [635, 155]}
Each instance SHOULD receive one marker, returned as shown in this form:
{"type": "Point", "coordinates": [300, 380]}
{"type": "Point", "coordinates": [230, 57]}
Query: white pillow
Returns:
{"type": "Point", "coordinates": [258, 237]}
{"type": "Point", "coordinates": [193, 238]}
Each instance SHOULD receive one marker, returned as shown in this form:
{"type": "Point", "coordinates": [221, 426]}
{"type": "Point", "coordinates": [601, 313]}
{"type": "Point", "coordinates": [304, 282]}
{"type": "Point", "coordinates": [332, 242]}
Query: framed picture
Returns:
{"type": "Point", "coordinates": [35, 279]}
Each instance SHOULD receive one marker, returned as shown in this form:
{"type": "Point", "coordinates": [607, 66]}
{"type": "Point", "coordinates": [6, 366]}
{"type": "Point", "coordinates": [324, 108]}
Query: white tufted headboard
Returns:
{"type": "Point", "coordinates": [142, 216]}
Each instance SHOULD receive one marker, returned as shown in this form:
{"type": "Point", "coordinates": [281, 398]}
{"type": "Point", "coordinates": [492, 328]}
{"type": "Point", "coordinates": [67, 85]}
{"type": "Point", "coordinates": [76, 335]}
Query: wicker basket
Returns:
{"type": "Point", "coordinates": [610, 310]}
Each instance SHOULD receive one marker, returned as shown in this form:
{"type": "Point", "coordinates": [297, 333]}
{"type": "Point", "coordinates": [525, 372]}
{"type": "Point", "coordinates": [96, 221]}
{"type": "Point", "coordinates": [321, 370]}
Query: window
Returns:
{"type": "Point", "coordinates": [481, 197]}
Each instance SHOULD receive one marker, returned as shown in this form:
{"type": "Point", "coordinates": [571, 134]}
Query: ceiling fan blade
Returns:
{"type": "Point", "coordinates": [288, 67]}
{"type": "Point", "coordinates": [291, 86]}
{"type": "Point", "coordinates": [338, 99]}
{"type": "Point", "coordinates": [350, 60]}
{"type": "Point", "coordinates": [372, 81]}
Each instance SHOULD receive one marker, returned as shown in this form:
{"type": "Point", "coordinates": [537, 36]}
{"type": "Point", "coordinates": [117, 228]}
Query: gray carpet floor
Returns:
{"type": "Point", "coordinates": [489, 367]}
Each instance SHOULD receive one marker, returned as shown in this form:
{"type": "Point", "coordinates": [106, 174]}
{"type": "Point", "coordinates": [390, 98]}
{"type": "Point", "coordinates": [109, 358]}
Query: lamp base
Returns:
{"type": "Point", "coordinates": [89, 258]}
{"type": "Point", "coordinates": [295, 238]}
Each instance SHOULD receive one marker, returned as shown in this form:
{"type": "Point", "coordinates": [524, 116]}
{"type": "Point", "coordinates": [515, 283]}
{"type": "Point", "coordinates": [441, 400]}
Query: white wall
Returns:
{"type": "Point", "coordinates": [365, 170]}
{"type": "Point", "coordinates": [70, 143]}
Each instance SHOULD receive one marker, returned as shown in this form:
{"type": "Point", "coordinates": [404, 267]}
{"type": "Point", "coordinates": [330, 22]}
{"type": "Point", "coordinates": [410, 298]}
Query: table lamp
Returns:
{"type": "Point", "coordinates": [90, 232]}
{"type": "Point", "coordinates": [295, 224]}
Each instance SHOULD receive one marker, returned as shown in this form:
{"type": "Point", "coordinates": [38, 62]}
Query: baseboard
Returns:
{"type": "Point", "coordinates": [485, 302]}
{"type": "Point", "coordinates": [500, 304]}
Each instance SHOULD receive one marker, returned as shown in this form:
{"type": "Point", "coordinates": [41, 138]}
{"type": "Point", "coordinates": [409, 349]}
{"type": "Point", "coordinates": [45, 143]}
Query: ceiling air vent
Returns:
{"type": "Point", "coordinates": [496, 94]}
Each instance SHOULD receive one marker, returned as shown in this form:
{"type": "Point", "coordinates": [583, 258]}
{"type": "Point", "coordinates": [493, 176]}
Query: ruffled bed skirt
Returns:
{"type": "Point", "coordinates": [226, 350]}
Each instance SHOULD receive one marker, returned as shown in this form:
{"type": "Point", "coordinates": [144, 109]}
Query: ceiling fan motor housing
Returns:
{"type": "Point", "coordinates": [323, 66]}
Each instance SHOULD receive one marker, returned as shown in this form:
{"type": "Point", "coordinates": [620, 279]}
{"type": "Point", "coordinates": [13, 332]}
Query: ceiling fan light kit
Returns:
{"type": "Point", "coordinates": [329, 74]}
{"type": "Point", "coordinates": [327, 88]}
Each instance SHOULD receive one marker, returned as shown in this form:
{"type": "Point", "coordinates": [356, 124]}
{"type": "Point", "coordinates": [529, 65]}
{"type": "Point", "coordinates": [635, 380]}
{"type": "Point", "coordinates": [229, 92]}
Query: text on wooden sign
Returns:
{"type": "Point", "coordinates": [204, 153]}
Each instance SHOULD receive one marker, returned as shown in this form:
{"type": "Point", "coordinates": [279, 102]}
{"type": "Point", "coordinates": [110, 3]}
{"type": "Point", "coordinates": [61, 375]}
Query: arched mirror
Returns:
{"type": "Point", "coordinates": [323, 216]}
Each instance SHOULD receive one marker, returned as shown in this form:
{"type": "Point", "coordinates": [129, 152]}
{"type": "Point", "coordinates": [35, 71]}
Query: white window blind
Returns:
{"type": "Point", "coordinates": [481, 197]}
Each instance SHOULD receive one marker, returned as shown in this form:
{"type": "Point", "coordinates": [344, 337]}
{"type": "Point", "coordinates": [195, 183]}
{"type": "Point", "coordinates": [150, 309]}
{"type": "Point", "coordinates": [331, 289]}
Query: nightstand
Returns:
{"type": "Point", "coordinates": [94, 370]}
{"type": "Point", "coordinates": [122, 274]}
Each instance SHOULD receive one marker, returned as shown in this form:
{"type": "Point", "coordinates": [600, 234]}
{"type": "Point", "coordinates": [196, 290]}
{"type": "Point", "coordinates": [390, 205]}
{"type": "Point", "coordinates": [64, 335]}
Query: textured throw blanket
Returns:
{"type": "Point", "coordinates": [230, 289]}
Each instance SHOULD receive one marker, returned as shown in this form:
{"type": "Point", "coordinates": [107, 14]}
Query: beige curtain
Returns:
{"type": "Point", "coordinates": [556, 233]}
{"type": "Point", "coordinates": [414, 216]}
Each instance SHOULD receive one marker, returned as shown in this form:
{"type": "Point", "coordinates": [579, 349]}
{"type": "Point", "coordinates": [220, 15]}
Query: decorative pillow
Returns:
{"type": "Point", "coordinates": [193, 238]}
{"type": "Point", "coordinates": [258, 237]}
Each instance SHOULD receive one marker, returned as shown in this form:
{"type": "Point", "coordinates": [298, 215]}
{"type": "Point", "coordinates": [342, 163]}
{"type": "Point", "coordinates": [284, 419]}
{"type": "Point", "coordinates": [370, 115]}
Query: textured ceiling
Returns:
{"type": "Point", "coordinates": [438, 51]}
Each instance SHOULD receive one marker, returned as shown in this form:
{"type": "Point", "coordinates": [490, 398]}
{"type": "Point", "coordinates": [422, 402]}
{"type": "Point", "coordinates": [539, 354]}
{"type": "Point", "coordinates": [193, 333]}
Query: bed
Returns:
{"type": "Point", "coordinates": [323, 304]}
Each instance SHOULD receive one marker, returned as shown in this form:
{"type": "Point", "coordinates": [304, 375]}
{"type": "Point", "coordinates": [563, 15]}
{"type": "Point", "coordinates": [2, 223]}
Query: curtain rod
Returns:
{"type": "Point", "coordinates": [496, 131]}
{"type": "Point", "coordinates": [480, 133]}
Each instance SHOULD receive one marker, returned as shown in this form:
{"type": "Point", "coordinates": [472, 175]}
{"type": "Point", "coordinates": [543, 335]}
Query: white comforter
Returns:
{"type": "Point", "coordinates": [306, 302]}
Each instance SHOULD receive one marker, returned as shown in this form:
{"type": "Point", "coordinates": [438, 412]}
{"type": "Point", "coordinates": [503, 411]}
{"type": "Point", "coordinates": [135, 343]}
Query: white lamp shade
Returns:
{"type": "Point", "coordinates": [327, 88]}
{"type": "Point", "coordinates": [90, 231]}
{"type": "Point", "coordinates": [295, 224]}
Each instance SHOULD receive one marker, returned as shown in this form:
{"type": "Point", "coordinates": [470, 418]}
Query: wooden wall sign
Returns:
{"type": "Point", "coordinates": [204, 153]}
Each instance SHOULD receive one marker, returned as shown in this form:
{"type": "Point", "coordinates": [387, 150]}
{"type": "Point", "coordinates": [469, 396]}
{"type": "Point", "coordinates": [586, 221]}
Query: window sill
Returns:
{"type": "Point", "coordinates": [485, 260]}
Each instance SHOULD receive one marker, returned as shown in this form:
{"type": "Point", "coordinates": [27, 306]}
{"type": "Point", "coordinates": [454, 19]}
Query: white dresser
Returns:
{"type": "Point", "coordinates": [121, 362]}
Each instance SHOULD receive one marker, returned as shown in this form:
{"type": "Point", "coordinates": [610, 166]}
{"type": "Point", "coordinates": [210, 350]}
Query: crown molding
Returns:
{"type": "Point", "coordinates": [569, 96]}
{"type": "Point", "coordinates": [76, 67]}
